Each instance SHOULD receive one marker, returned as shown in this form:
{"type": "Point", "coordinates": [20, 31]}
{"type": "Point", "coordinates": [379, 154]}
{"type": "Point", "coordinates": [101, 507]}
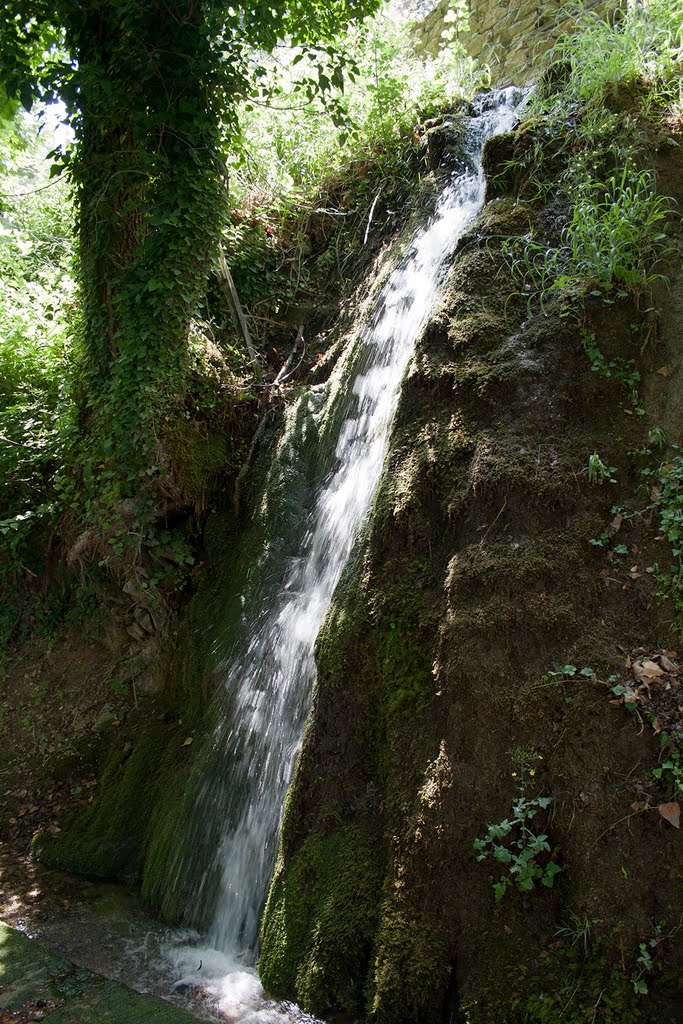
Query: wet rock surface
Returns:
{"type": "Point", "coordinates": [36, 985]}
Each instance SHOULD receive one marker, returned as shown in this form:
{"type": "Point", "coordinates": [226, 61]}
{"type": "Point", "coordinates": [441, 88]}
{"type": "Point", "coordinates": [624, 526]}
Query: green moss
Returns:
{"type": "Point", "coordinates": [188, 675]}
{"type": "Point", "coordinates": [406, 669]}
{"type": "Point", "coordinates": [166, 831]}
{"type": "Point", "coordinates": [320, 919]}
{"type": "Point", "coordinates": [476, 328]}
{"type": "Point", "coordinates": [411, 968]}
{"type": "Point", "coordinates": [107, 840]}
{"type": "Point", "coordinates": [572, 989]}
{"type": "Point", "coordinates": [197, 458]}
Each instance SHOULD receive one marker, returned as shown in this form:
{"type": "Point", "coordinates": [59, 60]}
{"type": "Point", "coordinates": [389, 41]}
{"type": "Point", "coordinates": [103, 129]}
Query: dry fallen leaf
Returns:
{"type": "Point", "coordinates": [657, 726]}
{"type": "Point", "coordinates": [187, 742]}
{"type": "Point", "coordinates": [663, 371]}
{"type": "Point", "coordinates": [646, 669]}
{"type": "Point", "coordinates": [655, 495]}
{"type": "Point", "coordinates": [671, 812]}
{"type": "Point", "coordinates": [615, 525]}
{"type": "Point", "coordinates": [667, 665]}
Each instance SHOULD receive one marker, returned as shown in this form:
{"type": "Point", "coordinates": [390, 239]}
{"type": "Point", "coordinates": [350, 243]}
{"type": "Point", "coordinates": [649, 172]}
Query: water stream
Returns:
{"type": "Point", "coordinates": [268, 677]}
{"type": "Point", "coordinates": [268, 683]}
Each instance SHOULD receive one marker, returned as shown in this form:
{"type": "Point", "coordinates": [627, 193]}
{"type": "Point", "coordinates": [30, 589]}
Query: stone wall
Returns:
{"type": "Point", "coordinates": [511, 36]}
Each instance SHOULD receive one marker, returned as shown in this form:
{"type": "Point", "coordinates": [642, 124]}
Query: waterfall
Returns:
{"type": "Point", "coordinates": [268, 682]}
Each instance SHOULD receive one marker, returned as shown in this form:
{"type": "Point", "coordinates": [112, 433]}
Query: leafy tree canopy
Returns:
{"type": "Point", "coordinates": [46, 49]}
{"type": "Point", "coordinates": [150, 88]}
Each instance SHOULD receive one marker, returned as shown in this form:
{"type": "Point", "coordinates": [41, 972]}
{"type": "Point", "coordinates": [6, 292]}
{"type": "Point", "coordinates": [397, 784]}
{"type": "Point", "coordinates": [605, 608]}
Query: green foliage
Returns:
{"type": "Point", "coordinates": [598, 472]}
{"type": "Point", "coordinates": [580, 981]}
{"type": "Point", "coordinates": [649, 952]}
{"type": "Point", "coordinates": [614, 243]}
{"type": "Point", "coordinates": [614, 238]}
{"type": "Point", "coordinates": [290, 148]}
{"type": "Point", "coordinates": [574, 988]}
{"type": "Point", "coordinates": [308, 172]}
{"type": "Point", "coordinates": [36, 321]}
{"type": "Point", "coordinates": [515, 846]}
{"type": "Point", "coordinates": [147, 166]}
{"type": "Point", "coordinates": [622, 370]}
{"type": "Point", "coordinates": [666, 488]}
{"type": "Point", "coordinates": [641, 46]}
{"type": "Point", "coordinates": [669, 771]}
{"type": "Point", "coordinates": [152, 102]}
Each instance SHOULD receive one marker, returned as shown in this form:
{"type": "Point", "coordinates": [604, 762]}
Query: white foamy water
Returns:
{"type": "Point", "coordinates": [268, 684]}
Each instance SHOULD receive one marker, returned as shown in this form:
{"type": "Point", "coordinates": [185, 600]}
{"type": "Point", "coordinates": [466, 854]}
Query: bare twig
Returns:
{"type": "Point", "coordinates": [627, 817]}
{"type": "Point", "coordinates": [283, 375]}
{"type": "Point", "coordinates": [238, 313]}
{"type": "Point", "coordinates": [372, 212]}
{"type": "Point", "coordinates": [17, 444]}
{"type": "Point", "coordinates": [503, 507]}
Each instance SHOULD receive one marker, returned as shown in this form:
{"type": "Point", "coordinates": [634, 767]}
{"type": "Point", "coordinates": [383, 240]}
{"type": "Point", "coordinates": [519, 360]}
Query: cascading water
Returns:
{"type": "Point", "coordinates": [269, 681]}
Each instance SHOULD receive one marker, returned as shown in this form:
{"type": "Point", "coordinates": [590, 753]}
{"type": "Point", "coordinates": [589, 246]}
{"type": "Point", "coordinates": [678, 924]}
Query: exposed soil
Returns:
{"type": "Point", "coordinates": [66, 696]}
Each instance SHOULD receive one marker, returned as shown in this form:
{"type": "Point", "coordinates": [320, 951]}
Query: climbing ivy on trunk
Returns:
{"type": "Point", "coordinates": [151, 87]}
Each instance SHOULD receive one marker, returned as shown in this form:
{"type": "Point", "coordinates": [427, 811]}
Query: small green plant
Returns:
{"type": "Point", "coordinates": [666, 492]}
{"type": "Point", "coordinates": [578, 931]}
{"type": "Point", "coordinates": [535, 265]}
{"type": "Point", "coordinates": [656, 437]}
{"type": "Point", "coordinates": [598, 472]}
{"type": "Point", "coordinates": [614, 239]}
{"type": "Point", "coordinates": [569, 671]}
{"type": "Point", "coordinates": [118, 687]}
{"type": "Point", "coordinates": [669, 771]}
{"type": "Point", "coordinates": [647, 956]}
{"type": "Point", "coordinates": [516, 846]}
{"type": "Point", "coordinates": [622, 370]}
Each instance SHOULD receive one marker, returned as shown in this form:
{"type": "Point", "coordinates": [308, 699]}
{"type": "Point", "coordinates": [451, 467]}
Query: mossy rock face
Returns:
{"type": "Point", "coordinates": [129, 832]}
{"type": "Point", "coordinates": [109, 839]}
{"type": "Point", "coordinates": [320, 922]}
{"type": "Point", "coordinates": [475, 578]}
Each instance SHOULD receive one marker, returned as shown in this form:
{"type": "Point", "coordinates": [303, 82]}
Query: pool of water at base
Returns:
{"type": "Point", "coordinates": [106, 929]}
